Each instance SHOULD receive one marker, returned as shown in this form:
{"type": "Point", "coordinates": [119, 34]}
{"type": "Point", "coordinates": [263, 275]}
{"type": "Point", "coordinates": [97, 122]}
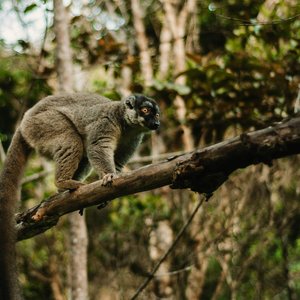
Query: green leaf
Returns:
{"type": "Point", "coordinates": [182, 89]}
{"type": "Point", "coordinates": [30, 8]}
{"type": "Point", "coordinates": [179, 88]}
{"type": "Point", "coordinates": [158, 85]}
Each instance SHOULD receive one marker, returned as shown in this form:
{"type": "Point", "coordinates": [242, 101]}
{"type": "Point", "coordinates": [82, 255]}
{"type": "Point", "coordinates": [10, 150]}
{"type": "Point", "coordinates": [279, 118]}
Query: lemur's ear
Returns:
{"type": "Point", "coordinates": [130, 101]}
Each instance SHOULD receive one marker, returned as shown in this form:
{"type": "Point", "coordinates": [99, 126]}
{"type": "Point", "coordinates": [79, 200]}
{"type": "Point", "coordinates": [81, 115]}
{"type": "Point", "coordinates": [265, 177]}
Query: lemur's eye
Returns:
{"type": "Point", "coordinates": [145, 110]}
{"type": "Point", "coordinates": [157, 115]}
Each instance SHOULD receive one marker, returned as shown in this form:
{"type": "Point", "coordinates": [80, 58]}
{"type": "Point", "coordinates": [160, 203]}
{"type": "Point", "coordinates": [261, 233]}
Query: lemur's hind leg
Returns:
{"type": "Point", "coordinates": [53, 135]}
{"type": "Point", "coordinates": [67, 158]}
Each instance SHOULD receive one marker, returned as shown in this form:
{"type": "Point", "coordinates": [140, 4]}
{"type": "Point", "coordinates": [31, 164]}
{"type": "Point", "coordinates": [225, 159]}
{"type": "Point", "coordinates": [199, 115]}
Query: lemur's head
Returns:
{"type": "Point", "coordinates": [142, 111]}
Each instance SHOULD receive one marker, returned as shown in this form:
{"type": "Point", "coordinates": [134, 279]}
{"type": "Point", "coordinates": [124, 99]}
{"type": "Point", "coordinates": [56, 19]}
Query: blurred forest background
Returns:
{"type": "Point", "coordinates": [217, 69]}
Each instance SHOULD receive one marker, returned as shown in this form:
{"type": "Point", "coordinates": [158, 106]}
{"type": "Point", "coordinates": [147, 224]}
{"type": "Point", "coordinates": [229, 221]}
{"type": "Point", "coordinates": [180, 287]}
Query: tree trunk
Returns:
{"type": "Point", "coordinates": [196, 278]}
{"type": "Point", "coordinates": [78, 232]}
{"type": "Point", "coordinates": [165, 48]}
{"type": "Point", "coordinates": [55, 281]}
{"type": "Point", "coordinates": [64, 65]}
{"type": "Point", "coordinates": [161, 239]}
{"type": "Point", "coordinates": [142, 41]}
{"type": "Point", "coordinates": [177, 22]}
{"type": "Point", "coordinates": [78, 259]}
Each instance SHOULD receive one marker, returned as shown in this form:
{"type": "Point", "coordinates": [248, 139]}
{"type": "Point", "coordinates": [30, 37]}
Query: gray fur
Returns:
{"type": "Point", "coordinates": [78, 130]}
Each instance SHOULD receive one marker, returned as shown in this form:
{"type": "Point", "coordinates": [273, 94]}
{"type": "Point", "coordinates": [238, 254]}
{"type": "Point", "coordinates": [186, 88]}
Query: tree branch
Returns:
{"type": "Point", "coordinates": [202, 171]}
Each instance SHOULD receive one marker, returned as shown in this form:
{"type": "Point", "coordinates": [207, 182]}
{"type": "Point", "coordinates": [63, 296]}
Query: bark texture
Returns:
{"type": "Point", "coordinates": [64, 65]}
{"type": "Point", "coordinates": [202, 171]}
{"type": "Point", "coordinates": [78, 258]}
{"type": "Point", "coordinates": [142, 41]}
{"type": "Point", "coordinates": [177, 19]}
{"type": "Point", "coordinates": [78, 233]}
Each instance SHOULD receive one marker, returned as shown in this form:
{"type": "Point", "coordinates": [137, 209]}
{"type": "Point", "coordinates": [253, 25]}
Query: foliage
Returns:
{"type": "Point", "coordinates": [19, 90]}
{"type": "Point", "coordinates": [243, 74]}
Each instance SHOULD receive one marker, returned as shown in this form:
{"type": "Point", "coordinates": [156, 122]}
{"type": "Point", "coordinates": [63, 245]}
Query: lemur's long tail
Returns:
{"type": "Point", "coordinates": [10, 179]}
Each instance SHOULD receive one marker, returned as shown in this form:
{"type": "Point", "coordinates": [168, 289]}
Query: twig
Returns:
{"type": "Point", "coordinates": [36, 176]}
{"type": "Point", "coordinates": [179, 235]}
{"type": "Point", "coordinates": [188, 268]}
{"type": "Point", "coordinates": [2, 153]}
{"type": "Point", "coordinates": [297, 102]}
{"type": "Point", "coordinates": [254, 23]}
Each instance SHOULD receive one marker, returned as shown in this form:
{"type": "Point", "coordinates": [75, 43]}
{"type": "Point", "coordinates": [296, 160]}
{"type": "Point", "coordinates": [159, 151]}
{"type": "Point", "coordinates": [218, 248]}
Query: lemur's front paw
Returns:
{"type": "Point", "coordinates": [107, 179]}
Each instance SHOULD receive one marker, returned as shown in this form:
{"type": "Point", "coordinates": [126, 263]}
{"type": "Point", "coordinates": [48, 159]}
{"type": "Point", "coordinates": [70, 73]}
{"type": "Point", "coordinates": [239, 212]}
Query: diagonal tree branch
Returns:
{"type": "Point", "coordinates": [202, 171]}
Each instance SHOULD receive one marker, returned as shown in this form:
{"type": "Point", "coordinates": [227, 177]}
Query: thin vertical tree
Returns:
{"type": "Point", "coordinates": [176, 18]}
{"type": "Point", "coordinates": [78, 232]}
